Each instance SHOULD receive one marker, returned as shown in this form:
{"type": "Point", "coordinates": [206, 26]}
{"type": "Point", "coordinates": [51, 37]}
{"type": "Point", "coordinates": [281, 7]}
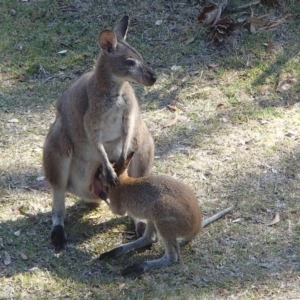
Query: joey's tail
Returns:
{"type": "Point", "coordinates": [217, 216]}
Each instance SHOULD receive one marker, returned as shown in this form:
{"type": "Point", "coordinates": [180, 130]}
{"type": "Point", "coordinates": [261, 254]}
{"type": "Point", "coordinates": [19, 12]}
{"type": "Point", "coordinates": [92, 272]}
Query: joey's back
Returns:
{"type": "Point", "coordinates": [159, 198]}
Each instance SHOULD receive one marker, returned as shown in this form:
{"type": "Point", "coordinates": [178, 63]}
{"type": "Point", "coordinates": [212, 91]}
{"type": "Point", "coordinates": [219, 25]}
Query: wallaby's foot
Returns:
{"type": "Point", "coordinates": [136, 270]}
{"type": "Point", "coordinates": [112, 253]}
{"type": "Point", "coordinates": [58, 237]}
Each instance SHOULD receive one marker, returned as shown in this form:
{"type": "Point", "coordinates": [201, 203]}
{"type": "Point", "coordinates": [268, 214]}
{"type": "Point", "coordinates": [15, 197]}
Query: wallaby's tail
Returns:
{"type": "Point", "coordinates": [217, 216]}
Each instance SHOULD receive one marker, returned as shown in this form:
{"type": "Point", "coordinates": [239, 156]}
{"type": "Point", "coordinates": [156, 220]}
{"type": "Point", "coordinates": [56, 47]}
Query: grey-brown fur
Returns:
{"type": "Point", "coordinates": [169, 208]}
{"type": "Point", "coordinates": [98, 120]}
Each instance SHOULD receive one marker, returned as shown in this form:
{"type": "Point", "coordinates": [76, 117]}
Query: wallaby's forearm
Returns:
{"type": "Point", "coordinates": [217, 216]}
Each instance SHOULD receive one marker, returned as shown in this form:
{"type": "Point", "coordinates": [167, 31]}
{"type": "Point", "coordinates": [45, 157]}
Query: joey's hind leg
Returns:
{"type": "Point", "coordinates": [147, 239]}
{"type": "Point", "coordinates": [57, 172]}
{"type": "Point", "coordinates": [172, 255]}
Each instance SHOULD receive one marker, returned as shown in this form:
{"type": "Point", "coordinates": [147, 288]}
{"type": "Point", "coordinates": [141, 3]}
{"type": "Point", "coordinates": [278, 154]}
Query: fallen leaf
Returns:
{"type": "Point", "coordinates": [42, 185]}
{"type": "Point", "coordinates": [257, 21]}
{"type": "Point", "coordinates": [224, 28]}
{"type": "Point", "coordinates": [275, 220]}
{"type": "Point", "coordinates": [208, 14]}
{"type": "Point", "coordinates": [94, 217]}
{"type": "Point", "coordinates": [220, 105]}
{"type": "Point", "coordinates": [269, 47]}
{"type": "Point", "coordinates": [176, 68]}
{"type": "Point", "coordinates": [62, 52]}
{"type": "Point", "coordinates": [172, 122]}
{"type": "Point", "coordinates": [172, 107]}
{"type": "Point", "coordinates": [285, 84]}
{"type": "Point", "coordinates": [236, 220]}
{"type": "Point", "coordinates": [212, 66]}
{"type": "Point", "coordinates": [17, 233]}
{"type": "Point", "coordinates": [7, 258]}
{"type": "Point", "coordinates": [23, 255]}
{"type": "Point", "coordinates": [121, 286]}
{"type": "Point", "coordinates": [13, 121]}
{"type": "Point", "coordinates": [190, 40]}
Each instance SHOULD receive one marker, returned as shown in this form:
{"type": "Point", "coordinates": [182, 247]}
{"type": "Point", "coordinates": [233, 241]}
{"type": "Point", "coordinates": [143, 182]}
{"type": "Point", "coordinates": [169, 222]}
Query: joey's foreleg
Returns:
{"type": "Point", "coordinates": [172, 255]}
{"type": "Point", "coordinates": [148, 238]}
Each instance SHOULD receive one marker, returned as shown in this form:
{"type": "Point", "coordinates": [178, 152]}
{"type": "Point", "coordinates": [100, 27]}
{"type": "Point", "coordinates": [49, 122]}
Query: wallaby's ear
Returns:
{"type": "Point", "coordinates": [128, 159]}
{"type": "Point", "coordinates": [108, 40]}
{"type": "Point", "coordinates": [122, 27]}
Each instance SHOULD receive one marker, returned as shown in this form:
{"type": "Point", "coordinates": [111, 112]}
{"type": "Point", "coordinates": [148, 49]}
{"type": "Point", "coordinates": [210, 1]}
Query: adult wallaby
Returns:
{"type": "Point", "coordinates": [169, 208]}
{"type": "Point", "coordinates": [98, 120]}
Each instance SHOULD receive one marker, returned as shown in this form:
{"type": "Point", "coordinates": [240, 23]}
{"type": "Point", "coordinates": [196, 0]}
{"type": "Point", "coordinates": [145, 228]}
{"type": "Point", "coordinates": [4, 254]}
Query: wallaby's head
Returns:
{"type": "Point", "coordinates": [125, 63]}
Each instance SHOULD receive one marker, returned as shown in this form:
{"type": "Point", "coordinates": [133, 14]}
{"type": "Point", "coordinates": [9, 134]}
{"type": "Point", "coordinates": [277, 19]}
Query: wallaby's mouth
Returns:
{"type": "Point", "coordinates": [150, 81]}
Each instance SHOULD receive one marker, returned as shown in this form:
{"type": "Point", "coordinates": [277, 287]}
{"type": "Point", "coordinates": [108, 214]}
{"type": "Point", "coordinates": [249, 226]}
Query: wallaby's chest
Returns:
{"type": "Point", "coordinates": [111, 121]}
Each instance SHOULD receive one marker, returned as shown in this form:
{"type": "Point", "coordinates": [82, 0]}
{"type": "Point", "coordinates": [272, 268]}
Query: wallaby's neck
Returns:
{"type": "Point", "coordinates": [107, 83]}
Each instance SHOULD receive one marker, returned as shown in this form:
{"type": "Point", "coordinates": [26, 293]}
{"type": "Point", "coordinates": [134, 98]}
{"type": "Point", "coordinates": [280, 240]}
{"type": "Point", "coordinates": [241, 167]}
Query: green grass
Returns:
{"type": "Point", "coordinates": [243, 151]}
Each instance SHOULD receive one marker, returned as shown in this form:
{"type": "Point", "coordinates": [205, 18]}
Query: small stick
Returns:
{"type": "Point", "coordinates": [217, 216]}
{"type": "Point", "coordinates": [221, 7]}
{"type": "Point", "coordinates": [244, 6]}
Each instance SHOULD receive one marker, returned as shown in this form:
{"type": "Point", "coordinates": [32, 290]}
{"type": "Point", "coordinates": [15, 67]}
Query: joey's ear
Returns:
{"type": "Point", "coordinates": [128, 159]}
{"type": "Point", "coordinates": [122, 27]}
{"type": "Point", "coordinates": [108, 40]}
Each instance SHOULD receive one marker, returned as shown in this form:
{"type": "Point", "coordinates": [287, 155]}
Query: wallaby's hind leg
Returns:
{"type": "Point", "coordinates": [172, 255]}
{"type": "Point", "coordinates": [147, 239]}
{"type": "Point", "coordinates": [142, 160]}
{"type": "Point", "coordinates": [57, 172]}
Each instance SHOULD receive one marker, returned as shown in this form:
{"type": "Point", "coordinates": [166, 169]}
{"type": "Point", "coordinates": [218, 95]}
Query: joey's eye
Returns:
{"type": "Point", "coordinates": [130, 62]}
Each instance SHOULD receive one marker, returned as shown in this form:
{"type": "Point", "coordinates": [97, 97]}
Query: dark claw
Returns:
{"type": "Point", "coordinates": [111, 254]}
{"type": "Point", "coordinates": [58, 237]}
{"type": "Point", "coordinates": [112, 180]}
{"type": "Point", "coordinates": [136, 270]}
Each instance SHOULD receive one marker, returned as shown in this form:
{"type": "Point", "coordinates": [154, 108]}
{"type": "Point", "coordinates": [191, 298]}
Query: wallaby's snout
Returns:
{"type": "Point", "coordinates": [152, 78]}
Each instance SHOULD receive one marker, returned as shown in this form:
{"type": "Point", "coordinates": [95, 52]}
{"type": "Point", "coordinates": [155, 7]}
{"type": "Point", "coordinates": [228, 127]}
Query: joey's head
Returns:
{"type": "Point", "coordinates": [125, 63]}
{"type": "Point", "coordinates": [120, 167]}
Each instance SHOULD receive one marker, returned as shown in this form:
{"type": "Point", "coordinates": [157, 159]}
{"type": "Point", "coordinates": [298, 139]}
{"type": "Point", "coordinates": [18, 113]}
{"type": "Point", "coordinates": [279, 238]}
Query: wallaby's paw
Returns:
{"type": "Point", "coordinates": [58, 237]}
{"type": "Point", "coordinates": [112, 179]}
{"type": "Point", "coordinates": [111, 254]}
{"type": "Point", "coordinates": [136, 270]}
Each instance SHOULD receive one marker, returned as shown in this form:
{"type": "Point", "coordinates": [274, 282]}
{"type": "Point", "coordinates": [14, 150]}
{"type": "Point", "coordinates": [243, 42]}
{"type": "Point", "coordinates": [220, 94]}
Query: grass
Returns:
{"type": "Point", "coordinates": [236, 141]}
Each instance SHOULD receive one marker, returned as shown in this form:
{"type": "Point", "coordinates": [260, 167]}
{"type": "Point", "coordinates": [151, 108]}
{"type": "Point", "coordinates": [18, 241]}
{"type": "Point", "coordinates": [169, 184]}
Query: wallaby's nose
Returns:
{"type": "Point", "coordinates": [152, 77]}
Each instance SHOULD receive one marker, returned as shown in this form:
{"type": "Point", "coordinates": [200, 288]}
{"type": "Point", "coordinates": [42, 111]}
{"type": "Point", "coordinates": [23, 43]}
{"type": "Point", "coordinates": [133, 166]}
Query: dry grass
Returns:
{"type": "Point", "coordinates": [236, 141]}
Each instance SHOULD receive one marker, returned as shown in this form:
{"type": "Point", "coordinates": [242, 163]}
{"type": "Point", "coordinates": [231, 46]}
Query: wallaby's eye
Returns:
{"type": "Point", "coordinates": [130, 62]}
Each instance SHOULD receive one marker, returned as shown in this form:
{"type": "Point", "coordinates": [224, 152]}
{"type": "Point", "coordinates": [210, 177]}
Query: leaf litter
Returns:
{"type": "Point", "coordinates": [223, 27]}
